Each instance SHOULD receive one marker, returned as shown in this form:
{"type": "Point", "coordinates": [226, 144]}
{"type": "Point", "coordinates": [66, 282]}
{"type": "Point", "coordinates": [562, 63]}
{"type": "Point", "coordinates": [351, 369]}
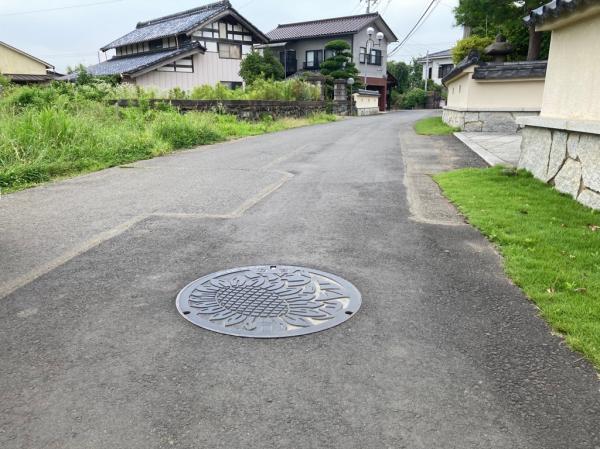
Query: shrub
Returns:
{"type": "Point", "coordinates": [182, 131]}
{"type": "Point", "coordinates": [465, 46]}
{"type": "Point", "coordinates": [265, 66]}
{"type": "Point", "coordinates": [414, 99]}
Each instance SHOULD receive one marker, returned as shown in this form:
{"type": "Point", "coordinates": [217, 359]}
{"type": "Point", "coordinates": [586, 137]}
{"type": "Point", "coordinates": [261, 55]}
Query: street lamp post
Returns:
{"type": "Point", "coordinates": [369, 47]}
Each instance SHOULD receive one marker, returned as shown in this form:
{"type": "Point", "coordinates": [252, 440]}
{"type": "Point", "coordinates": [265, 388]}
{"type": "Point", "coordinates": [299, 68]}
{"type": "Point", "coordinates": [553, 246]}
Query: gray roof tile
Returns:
{"type": "Point", "coordinates": [171, 25]}
{"type": "Point", "coordinates": [131, 64]}
{"type": "Point", "coordinates": [554, 9]}
{"type": "Point", "coordinates": [326, 27]}
{"type": "Point", "coordinates": [511, 70]}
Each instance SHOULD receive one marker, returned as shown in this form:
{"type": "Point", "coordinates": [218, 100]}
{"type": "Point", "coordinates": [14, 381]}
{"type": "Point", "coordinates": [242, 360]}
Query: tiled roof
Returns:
{"type": "Point", "coordinates": [127, 65]}
{"type": "Point", "coordinates": [171, 25]}
{"type": "Point", "coordinates": [437, 55]}
{"type": "Point", "coordinates": [326, 27]}
{"type": "Point", "coordinates": [555, 9]}
{"type": "Point", "coordinates": [498, 71]}
{"type": "Point", "coordinates": [31, 78]}
{"type": "Point", "coordinates": [511, 70]}
{"type": "Point", "coordinates": [472, 58]}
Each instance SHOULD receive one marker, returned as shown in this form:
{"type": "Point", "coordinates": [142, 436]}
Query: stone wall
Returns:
{"type": "Point", "coordinates": [568, 160]}
{"type": "Point", "coordinates": [243, 109]}
{"type": "Point", "coordinates": [484, 121]}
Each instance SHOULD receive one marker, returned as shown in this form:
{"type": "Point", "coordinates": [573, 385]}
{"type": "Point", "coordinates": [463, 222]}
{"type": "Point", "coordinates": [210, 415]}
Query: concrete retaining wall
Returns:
{"type": "Point", "coordinates": [485, 121]}
{"type": "Point", "coordinates": [243, 109]}
{"type": "Point", "coordinates": [567, 159]}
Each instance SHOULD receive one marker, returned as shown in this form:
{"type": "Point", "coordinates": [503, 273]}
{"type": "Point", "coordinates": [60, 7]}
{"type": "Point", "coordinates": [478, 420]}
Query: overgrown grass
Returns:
{"type": "Point", "coordinates": [433, 126]}
{"type": "Point", "coordinates": [63, 130]}
{"type": "Point", "coordinates": [551, 245]}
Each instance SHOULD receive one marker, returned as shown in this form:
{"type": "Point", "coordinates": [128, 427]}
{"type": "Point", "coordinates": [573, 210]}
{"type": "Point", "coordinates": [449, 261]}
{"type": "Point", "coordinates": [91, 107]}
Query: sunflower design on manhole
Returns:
{"type": "Point", "coordinates": [269, 301]}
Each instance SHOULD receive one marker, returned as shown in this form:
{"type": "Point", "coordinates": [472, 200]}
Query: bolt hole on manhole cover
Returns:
{"type": "Point", "coordinates": [269, 301]}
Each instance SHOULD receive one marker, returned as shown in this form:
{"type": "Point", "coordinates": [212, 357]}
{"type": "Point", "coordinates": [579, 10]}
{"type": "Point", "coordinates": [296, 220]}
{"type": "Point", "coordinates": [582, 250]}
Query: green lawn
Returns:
{"type": "Point", "coordinates": [550, 243]}
{"type": "Point", "coordinates": [433, 126]}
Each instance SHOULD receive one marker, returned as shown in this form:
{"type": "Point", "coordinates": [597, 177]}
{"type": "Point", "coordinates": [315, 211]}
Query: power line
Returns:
{"type": "Point", "coordinates": [35, 11]}
{"type": "Point", "coordinates": [422, 19]}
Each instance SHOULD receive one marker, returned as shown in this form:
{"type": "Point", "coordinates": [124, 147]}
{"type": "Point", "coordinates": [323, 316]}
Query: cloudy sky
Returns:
{"type": "Point", "coordinates": [71, 33]}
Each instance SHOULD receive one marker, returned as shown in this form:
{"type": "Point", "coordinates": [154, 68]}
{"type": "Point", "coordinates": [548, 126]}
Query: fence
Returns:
{"type": "Point", "coordinates": [243, 109]}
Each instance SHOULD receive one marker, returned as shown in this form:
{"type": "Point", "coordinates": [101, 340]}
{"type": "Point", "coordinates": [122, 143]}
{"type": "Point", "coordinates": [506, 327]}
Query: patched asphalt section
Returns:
{"type": "Point", "coordinates": [445, 353]}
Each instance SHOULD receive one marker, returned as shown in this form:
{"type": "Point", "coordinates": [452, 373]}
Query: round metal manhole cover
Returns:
{"type": "Point", "coordinates": [269, 301]}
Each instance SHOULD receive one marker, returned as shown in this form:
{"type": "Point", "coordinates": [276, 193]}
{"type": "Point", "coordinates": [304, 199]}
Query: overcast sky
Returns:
{"type": "Point", "coordinates": [69, 36]}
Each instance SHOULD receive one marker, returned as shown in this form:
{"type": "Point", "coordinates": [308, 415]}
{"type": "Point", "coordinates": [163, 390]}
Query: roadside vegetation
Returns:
{"type": "Point", "coordinates": [434, 126]}
{"type": "Point", "coordinates": [551, 245]}
{"type": "Point", "coordinates": [66, 129]}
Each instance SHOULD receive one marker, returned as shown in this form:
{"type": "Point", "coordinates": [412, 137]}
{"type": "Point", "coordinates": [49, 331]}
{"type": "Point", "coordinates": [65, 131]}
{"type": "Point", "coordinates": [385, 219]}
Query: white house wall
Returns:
{"type": "Point", "coordinates": [360, 40]}
{"type": "Point", "coordinates": [209, 69]}
{"type": "Point", "coordinates": [435, 65]}
{"type": "Point", "coordinates": [304, 45]}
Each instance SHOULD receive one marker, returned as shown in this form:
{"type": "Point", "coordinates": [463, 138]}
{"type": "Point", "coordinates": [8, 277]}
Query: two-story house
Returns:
{"type": "Point", "coordinates": [196, 47]}
{"type": "Point", "coordinates": [23, 68]}
{"type": "Point", "coordinates": [301, 46]}
{"type": "Point", "coordinates": [437, 65]}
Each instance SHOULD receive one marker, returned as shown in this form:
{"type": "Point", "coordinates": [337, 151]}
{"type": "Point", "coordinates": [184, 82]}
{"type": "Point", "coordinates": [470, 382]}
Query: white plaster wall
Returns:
{"type": "Point", "coordinates": [366, 101]}
{"type": "Point", "coordinates": [209, 69]}
{"type": "Point", "coordinates": [572, 81]}
{"type": "Point", "coordinates": [512, 95]}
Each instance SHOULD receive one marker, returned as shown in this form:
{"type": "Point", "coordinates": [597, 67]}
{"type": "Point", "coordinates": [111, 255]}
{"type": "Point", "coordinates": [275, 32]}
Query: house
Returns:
{"type": "Point", "coordinates": [491, 96]}
{"type": "Point", "coordinates": [23, 68]}
{"type": "Point", "coordinates": [437, 65]}
{"type": "Point", "coordinates": [301, 47]}
{"type": "Point", "coordinates": [562, 145]}
{"type": "Point", "coordinates": [196, 47]}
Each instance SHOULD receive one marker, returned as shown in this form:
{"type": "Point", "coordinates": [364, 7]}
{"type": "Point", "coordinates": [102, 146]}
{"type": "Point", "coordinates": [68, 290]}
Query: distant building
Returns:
{"type": "Point", "coordinates": [201, 46]}
{"type": "Point", "coordinates": [301, 47]}
{"type": "Point", "coordinates": [437, 65]}
{"type": "Point", "coordinates": [23, 68]}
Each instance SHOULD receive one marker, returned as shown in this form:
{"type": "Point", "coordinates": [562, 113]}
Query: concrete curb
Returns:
{"type": "Point", "coordinates": [488, 157]}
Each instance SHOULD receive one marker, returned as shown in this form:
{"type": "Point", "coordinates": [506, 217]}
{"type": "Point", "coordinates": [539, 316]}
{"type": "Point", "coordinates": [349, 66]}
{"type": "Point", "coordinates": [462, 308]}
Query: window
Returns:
{"type": "Point", "coordinates": [375, 58]}
{"type": "Point", "coordinates": [430, 74]}
{"type": "Point", "coordinates": [362, 57]}
{"type": "Point", "coordinates": [229, 51]}
{"type": "Point", "coordinates": [169, 42]}
{"type": "Point", "coordinates": [329, 54]}
{"type": "Point", "coordinates": [444, 69]}
{"type": "Point", "coordinates": [233, 84]}
{"type": "Point", "coordinates": [183, 65]}
{"type": "Point", "coordinates": [313, 59]}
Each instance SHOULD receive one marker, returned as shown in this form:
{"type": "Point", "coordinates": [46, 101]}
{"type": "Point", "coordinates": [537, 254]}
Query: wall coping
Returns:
{"type": "Point", "coordinates": [459, 109]}
{"type": "Point", "coordinates": [580, 126]}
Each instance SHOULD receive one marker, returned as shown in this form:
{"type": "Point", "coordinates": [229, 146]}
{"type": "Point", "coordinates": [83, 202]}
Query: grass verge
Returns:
{"type": "Point", "coordinates": [550, 243]}
{"type": "Point", "coordinates": [433, 126]}
{"type": "Point", "coordinates": [38, 144]}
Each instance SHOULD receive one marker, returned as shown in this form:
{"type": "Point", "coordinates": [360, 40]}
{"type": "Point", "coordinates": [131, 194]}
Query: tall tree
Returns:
{"type": "Point", "coordinates": [489, 17]}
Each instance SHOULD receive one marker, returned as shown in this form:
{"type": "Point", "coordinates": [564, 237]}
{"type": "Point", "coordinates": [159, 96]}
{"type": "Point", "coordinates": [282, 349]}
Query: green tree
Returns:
{"type": "Point", "coordinates": [400, 71]}
{"type": "Point", "coordinates": [465, 46]}
{"type": "Point", "coordinates": [263, 66]}
{"type": "Point", "coordinates": [340, 65]}
{"type": "Point", "coordinates": [489, 17]}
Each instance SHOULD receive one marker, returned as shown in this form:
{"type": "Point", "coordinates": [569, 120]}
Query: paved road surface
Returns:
{"type": "Point", "coordinates": [445, 353]}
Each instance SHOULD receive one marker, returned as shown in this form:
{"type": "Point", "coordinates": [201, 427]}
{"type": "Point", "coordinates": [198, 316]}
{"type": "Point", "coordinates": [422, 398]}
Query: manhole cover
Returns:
{"type": "Point", "coordinates": [269, 301]}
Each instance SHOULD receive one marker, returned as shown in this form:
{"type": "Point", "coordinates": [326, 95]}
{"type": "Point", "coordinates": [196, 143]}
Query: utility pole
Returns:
{"type": "Point", "coordinates": [427, 72]}
{"type": "Point", "coordinates": [369, 2]}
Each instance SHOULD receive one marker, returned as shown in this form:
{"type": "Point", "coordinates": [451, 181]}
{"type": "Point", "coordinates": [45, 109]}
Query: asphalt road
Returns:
{"type": "Point", "coordinates": [445, 352]}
